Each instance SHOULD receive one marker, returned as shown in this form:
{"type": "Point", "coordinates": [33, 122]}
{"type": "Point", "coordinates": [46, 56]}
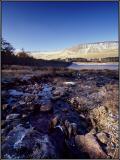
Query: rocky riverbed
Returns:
{"type": "Point", "coordinates": [61, 115]}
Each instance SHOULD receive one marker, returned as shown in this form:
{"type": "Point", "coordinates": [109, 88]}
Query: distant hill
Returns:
{"type": "Point", "coordinates": [89, 50]}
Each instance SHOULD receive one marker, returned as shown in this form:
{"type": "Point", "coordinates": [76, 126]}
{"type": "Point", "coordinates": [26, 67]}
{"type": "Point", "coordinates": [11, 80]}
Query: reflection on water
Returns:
{"type": "Point", "coordinates": [80, 66]}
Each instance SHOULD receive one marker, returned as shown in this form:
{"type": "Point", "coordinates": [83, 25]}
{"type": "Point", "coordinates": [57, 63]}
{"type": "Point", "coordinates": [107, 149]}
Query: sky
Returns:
{"type": "Point", "coordinates": [48, 26]}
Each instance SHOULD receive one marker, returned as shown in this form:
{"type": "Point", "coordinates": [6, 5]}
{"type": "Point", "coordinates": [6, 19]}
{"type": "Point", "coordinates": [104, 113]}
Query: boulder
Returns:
{"type": "Point", "coordinates": [88, 143]}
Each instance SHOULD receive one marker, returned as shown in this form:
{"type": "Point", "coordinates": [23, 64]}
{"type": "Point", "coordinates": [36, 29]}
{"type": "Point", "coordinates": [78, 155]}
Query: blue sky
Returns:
{"type": "Point", "coordinates": [47, 26]}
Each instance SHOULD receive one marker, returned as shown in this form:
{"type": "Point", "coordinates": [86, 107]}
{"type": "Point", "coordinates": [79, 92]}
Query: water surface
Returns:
{"type": "Point", "coordinates": [98, 66]}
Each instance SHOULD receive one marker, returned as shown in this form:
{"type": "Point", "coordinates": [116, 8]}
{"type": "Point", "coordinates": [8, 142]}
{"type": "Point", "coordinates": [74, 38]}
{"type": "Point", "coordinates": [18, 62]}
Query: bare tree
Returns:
{"type": "Point", "coordinates": [23, 54]}
{"type": "Point", "coordinates": [7, 49]}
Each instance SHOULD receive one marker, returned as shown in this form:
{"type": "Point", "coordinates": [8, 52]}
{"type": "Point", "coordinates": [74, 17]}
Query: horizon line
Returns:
{"type": "Point", "coordinates": [71, 46]}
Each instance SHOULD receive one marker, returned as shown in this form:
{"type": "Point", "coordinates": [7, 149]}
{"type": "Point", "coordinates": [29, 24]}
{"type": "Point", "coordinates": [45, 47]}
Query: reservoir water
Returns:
{"type": "Point", "coordinates": [98, 66]}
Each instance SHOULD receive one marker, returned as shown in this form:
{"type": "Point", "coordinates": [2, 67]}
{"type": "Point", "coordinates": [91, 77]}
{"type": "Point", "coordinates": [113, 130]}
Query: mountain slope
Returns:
{"type": "Point", "coordinates": [90, 50]}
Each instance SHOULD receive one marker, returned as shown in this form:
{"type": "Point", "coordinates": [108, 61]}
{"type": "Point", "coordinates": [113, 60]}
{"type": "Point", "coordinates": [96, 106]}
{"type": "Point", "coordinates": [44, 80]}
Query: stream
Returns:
{"type": "Point", "coordinates": [40, 123]}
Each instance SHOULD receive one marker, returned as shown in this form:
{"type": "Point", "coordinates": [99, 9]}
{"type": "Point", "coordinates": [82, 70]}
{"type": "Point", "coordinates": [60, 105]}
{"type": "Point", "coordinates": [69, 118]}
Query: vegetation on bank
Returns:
{"type": "Point", "coordinates": [8, 57]}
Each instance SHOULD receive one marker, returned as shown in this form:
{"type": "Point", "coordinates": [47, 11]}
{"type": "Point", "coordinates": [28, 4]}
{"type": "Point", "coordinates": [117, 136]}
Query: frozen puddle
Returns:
{"type": "Point", "coordinates": [13, 92]}
{"type": "Point", "coordinates": [96, 66]}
